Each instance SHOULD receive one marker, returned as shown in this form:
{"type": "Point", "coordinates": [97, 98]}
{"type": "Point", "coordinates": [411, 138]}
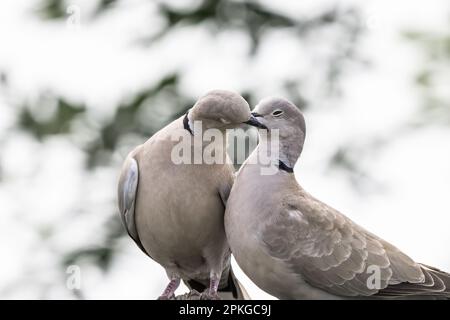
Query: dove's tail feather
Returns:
{"type": "Point", "coordinates": [230, 289]}
{"type": "Point", "coordinates": [442, 276]}
{"type": "Point", "coordinates": [435, 285]}
{"type": "Point", "coordinates": [234, 290]}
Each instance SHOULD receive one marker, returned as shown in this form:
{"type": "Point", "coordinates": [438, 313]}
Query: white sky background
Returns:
{"type": "Point", "coordinates": [99, 65]}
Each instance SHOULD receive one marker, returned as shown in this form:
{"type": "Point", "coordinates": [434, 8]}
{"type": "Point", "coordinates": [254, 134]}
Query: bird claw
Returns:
{"type": "Point", "coordinates": [207, 295]}
{"type": "Point", "coordinates": [194, 293]}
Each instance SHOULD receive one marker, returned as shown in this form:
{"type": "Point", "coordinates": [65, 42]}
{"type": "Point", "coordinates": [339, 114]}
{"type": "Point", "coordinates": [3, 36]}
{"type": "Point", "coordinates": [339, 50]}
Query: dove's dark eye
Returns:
{"type": "Point", "coordinates": [277, 113]}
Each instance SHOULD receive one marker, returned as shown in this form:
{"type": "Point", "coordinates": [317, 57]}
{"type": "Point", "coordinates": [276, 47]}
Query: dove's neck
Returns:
{"type": "Point", "coordinates": [285, 149]}
{"type": "Point", "coordinates": [209, 141]}
{"type": "Point", "coordinates": [204, 124]}
{"type": "Point", "coordinates": [290, 151]}
{"type": "Point", "coordinates": [200, 128]}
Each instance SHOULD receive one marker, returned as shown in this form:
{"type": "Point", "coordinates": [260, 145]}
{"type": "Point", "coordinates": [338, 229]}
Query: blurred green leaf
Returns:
{"type": "Point", "coordinates": [423, 78]}
{"type": "Point", "coordinates": [59, 123]}
{"type": "Point", "coordinates": [52, 9]}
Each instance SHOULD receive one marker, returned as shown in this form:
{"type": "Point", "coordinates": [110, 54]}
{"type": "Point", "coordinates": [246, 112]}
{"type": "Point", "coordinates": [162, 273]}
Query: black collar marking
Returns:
{"type": "Point", "coordinates": [284, 167]}
{"type": "Point", "coordinates": [186, 123]}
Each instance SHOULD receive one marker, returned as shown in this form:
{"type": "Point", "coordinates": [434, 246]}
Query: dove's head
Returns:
{"type": "Point", "coordinates": [282, 115]}
{"type": "Point", "coordinates": [222, 109]}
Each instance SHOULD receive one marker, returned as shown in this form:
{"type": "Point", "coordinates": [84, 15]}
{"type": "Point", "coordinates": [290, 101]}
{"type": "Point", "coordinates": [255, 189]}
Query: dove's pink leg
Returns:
{"type": "Point", "coordinates": [211, 293]}
{"type": "Point", "coordinates": [170, 289]}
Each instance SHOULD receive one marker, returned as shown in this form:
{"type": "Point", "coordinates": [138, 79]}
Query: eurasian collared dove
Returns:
{"type": "Point", "coordinates": [174, 211]}
{"type": "Point", "coordinates": [295, 247]}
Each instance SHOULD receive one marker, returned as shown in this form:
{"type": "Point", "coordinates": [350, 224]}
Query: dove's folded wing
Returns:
{"type": "Point", "coordinates": [127, 191]}
{"type": "Point", "coordinates": [332, 253]}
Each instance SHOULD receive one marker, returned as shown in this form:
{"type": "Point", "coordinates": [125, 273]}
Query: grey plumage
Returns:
{"type": "Point", "coordinates": [294, 246]}
{"type": "Point", "coordinates": [174, 212]}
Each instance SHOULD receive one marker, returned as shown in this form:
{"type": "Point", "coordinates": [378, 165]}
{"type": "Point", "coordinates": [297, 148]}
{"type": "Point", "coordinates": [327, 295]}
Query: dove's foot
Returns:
{"type": "Point", "coordinates": [211, 292]}
{"type": "Point", "coordinates": [208, 295]}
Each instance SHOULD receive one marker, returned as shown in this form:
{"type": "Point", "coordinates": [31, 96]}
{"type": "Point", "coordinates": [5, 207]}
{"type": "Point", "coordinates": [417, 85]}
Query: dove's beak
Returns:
{"type": "Point", "coordinates": [254, 122]}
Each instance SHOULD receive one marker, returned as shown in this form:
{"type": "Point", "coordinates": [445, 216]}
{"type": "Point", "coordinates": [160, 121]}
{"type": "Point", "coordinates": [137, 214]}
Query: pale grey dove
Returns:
{"type": "Point", "coordinates": [295, 247]}
{"type": "Point", "coordinates": [174, 212]}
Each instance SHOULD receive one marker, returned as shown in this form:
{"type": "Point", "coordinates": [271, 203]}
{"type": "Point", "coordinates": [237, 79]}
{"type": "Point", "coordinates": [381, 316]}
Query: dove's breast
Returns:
{"type": "Point", "coordinates": [249, 208]}
{"type": "Point", "coordinates": [179, 212]}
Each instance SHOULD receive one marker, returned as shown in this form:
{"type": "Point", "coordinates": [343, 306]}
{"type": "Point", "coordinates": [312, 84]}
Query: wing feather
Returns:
{"type": "Point", "coordinates": [127, 191]}
{"type": "Point", "coordinates": [331, 252]}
